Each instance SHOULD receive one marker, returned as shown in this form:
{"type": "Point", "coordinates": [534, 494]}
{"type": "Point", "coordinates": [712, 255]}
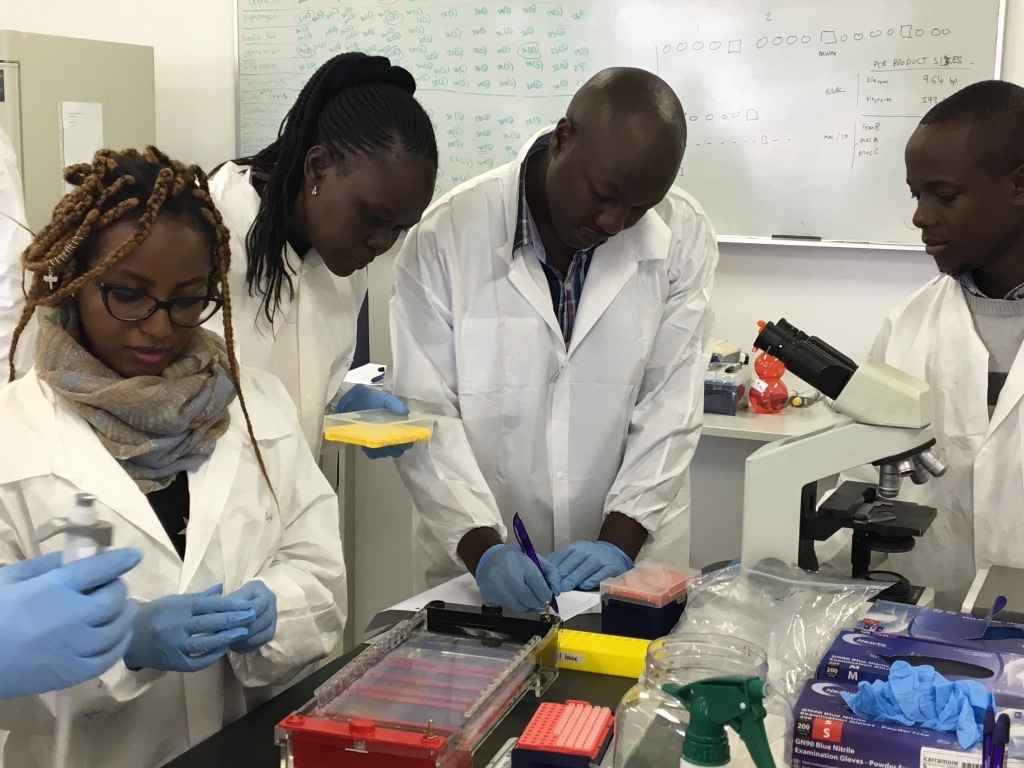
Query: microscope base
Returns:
{"type": "Point", "coordinates": [910, 595]}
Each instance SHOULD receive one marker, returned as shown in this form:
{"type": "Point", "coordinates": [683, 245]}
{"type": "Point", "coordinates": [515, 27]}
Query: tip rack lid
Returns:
{"type": "Point", "coordinates": [574, 728]}
{"type": "Point", "coordinates": [651, 584]}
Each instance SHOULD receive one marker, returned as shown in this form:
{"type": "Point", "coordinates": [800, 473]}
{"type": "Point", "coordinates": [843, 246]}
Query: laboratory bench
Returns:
{"type": "Point", "coordinates": [249, 741]}
{"type": "Point", "coordinates": [376, 510]}
{"type": "Point", "coordinates": [748, 424]}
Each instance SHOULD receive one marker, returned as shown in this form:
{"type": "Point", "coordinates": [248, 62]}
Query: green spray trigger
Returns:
{"type": "Point", "coordinates": [716, 702]}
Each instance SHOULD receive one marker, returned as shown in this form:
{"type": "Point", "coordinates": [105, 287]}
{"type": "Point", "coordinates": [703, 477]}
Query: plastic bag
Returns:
{"type": "Point", "coordinates": [793, 615]}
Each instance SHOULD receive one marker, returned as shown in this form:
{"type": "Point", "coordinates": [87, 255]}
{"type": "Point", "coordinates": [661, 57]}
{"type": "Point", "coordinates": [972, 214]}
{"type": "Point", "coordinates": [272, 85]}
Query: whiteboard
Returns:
{"type": "Point", "coordinates": [798, 110]}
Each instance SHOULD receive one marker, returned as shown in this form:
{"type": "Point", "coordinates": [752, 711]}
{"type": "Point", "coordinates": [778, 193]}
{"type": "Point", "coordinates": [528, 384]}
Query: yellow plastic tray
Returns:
{"type": "Point", "coordinates": [376, 429]}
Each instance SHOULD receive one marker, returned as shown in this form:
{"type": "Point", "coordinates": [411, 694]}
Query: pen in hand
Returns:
{"type": "Point", "coordinates": [527, 547]}
{"type": "Point", "coordinates": [986, 738]}
{"type": "Point", "coordinates": [1000, 738]}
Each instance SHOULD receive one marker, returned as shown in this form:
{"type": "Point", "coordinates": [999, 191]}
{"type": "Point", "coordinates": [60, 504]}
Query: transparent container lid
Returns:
{"type": "Point", "coordinates": [378, 428]}
{"type": "Point", "coordinates": [652, 585]}
{"type": "Point", "coordinates": [420, 694]}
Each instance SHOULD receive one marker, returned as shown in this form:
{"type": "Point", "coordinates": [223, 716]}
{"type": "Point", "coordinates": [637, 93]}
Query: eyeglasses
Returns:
{"type": "Point", "coordinates": [130, 305]}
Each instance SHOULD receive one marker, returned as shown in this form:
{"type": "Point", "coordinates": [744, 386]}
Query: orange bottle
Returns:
{"type": "Point", "coordinates": [768, 393]}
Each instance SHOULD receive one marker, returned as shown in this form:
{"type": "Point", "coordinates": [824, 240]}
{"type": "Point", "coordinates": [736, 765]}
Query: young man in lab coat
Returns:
{"type": "Point", "coordinates": [963, 331]}
{"type": "Point", "coordinates": [553, 314]}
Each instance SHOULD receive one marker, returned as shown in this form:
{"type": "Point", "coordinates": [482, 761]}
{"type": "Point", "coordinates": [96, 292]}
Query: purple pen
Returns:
{"type": "Point", "coordinates": [1000, 738]}
{"type": "Point", "coordinates": [986, 738]}
{"type": "Point", "coordinates": [527, 546]}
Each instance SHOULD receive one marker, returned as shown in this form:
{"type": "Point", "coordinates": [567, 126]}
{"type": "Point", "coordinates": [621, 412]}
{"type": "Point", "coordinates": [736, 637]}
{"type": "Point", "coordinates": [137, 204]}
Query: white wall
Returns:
{"type": "Point", "coordinates": [194, 52]}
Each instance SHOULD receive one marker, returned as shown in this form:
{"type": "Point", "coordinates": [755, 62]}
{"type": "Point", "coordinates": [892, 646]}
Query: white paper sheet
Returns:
{"type": "Point", "coordinates": [365, 374]}
{"type": "Point", "coordinates": [81, 132]}
{"type": "Point", "coordinates": [463, 591]}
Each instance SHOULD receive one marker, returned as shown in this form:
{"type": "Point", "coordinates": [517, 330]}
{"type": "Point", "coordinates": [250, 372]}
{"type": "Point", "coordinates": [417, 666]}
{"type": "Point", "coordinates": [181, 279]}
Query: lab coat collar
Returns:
{"type": "Point", "coordinates": [1013, 388]}
{"type": "Point", "coordinates": [233, 182]}
{"type": "Point", "coordinates": [613, 263]}
{"type": "Point", "coordinates": [968, 409]}
{"type": "Point", "coordinates": [648, 239]}
{"type": "Point", "coordinates": [1013, 392]}
{"type": "Point", "coordinates": [509, 182]}
{"type": "Point", "coordinates": [54, 440]}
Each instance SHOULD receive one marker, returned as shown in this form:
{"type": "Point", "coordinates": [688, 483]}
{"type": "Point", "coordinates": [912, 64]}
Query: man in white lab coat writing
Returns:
{"type": "Point", "coordinates": [553, 314]}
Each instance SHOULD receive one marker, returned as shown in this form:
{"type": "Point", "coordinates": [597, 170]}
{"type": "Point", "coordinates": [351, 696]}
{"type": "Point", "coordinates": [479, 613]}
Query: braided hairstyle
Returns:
{"type": "Point", "coordinates": [353, 104]}
{"type": "Point", "coordinates": [125, 186]}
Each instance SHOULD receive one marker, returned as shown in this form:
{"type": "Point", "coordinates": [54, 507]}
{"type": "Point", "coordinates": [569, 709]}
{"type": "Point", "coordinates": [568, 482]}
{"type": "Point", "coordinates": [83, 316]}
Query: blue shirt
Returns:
{"type": "Point", "coordinates": [566, 289]}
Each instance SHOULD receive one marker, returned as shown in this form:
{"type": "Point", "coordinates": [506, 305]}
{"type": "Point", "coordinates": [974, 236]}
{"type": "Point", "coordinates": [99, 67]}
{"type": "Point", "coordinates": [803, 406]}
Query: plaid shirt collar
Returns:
{"type": "Point", "coordinates": [967, 282]}
{"type": "Point", "coordinates": [525, 230]}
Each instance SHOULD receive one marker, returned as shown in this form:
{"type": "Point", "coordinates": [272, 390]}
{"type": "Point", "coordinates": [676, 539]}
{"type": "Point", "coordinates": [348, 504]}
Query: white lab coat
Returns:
{"type": "Point", "coordinates": [980, 500]}
{"type": "Point", "coordinates": [235, 534]}
{"type": "Point", "coordinates": [561, 436]}
{"type": "Point", "coordinates": [14, 239]}
{"type": "Point", "coordinates": [313, 338]}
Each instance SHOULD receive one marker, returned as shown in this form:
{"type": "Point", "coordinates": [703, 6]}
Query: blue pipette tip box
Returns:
{"type": "Point", "coordinates": [646, 601]}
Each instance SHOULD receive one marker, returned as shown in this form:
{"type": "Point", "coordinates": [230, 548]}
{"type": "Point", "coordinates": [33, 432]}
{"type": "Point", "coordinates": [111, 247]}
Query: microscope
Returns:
{"type": "Point", "coordinates": [886, 422]}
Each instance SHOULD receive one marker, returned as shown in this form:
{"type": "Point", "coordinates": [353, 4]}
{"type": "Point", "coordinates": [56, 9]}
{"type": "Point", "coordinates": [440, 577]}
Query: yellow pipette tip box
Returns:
{"type": "Point", "coordinates": [601, 654]}
{"type": "Point", "coordinates": [378, 428]}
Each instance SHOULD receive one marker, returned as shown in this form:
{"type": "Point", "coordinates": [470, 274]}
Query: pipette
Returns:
{"type": "Point", "coordinates": [85, 536]}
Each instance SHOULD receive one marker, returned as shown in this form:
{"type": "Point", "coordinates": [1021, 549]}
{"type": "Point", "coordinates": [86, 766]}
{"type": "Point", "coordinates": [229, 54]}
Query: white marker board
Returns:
{"type": "Point", "coordinates": [798, 110]}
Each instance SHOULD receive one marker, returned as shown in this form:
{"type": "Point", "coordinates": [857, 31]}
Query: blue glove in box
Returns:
{"type": "Point", "coordinates": [855, 656]}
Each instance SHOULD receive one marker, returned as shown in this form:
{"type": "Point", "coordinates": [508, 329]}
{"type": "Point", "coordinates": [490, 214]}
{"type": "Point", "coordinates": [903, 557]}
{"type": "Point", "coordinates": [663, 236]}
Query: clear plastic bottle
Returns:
{"type": "Point", "coordinates": [650, 724]}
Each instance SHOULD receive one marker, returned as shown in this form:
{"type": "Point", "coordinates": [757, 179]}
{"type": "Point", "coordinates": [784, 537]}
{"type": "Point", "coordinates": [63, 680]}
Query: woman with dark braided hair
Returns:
{"type": "Point", "coordinates": [197, 463]}
{"type": "Point", "coordinates": [352, 168]}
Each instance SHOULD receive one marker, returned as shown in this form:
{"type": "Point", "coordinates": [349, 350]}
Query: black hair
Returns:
{"type": "Point", "coordinates": [995, 111]}
{"type": "Point", "coordinates": [353, 104]}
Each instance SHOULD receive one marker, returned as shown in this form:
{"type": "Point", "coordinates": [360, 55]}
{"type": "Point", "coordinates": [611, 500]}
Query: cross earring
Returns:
{"type": "Point", "coordinates": [314, 190]}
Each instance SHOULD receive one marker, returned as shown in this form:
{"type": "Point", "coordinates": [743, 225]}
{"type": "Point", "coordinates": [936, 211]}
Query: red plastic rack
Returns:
{"type": "Point", "coordinates": [570, 735]}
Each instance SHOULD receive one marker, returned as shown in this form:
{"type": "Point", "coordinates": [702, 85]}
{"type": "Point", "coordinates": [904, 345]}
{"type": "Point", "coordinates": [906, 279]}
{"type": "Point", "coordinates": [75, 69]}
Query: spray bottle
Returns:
{"type": "Point", "coordinates": [716, 702]}
{"type": "Point", "coordinates": [86, 536]}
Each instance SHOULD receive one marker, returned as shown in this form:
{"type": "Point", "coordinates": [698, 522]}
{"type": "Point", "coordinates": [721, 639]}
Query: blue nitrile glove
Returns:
{"type": "Point", "coordinates": [63, 624]}
{"type": "Point", "coordinates": [363, 398]}
{"type": "Point", "coordinates": [507, 576]}
{"type": "Point", "coordinates": [186, 633]}
{"type": "Point", "coordinates": [585, 564]}
{"type": "Point", "coordinates": [258, 597]}
{"type": "Point", "coordinates": [922, 697]}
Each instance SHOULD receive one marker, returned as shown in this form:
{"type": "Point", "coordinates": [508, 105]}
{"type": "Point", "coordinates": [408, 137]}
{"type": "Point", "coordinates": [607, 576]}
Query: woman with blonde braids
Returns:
{"type": "Point", "coordinates": [196, 463]}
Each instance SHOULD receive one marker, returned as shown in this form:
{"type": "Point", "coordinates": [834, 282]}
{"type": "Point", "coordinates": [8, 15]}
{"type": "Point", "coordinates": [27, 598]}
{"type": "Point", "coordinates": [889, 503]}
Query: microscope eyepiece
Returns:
{"type": "Point", "coordinates": [810, 358]}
